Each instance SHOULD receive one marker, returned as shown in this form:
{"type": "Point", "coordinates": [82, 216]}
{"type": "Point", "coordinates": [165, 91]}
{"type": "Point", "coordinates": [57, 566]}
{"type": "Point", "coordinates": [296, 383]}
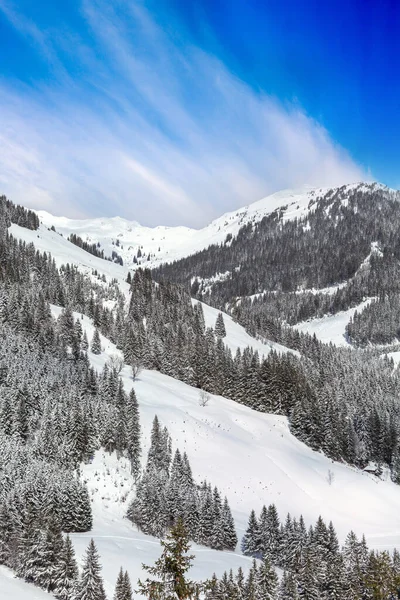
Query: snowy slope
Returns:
{"type": "Point", "coordinates": [15, 589]}
{"type": "Point", "coordinates": [64, 252]}
{"type": "Point", "coordinates": [237, 337]}
{"type": "Point", "coordinates": [166, 244]}
{"type": "Point", "coordinates": [331, 328]}
{"type": "Point", "coordinates": [252, 457]}
{"type": "Point", "coordinates": [119, 543]}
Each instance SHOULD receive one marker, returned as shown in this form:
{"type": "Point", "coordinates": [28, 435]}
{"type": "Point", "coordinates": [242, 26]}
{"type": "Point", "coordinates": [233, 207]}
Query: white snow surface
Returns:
{"type": "Point", "coordinates": [166, 244]}
{"type": "Point", "coordinates": [237, 337]}
{"type": "Point", "coordinates": [65, 252]}
{"type": "Point", "coordinates": [12, 588]}
{"type": "Point", "coordinates": [331, 328]}
{"type": "Point", "coordinates": [395, 356]}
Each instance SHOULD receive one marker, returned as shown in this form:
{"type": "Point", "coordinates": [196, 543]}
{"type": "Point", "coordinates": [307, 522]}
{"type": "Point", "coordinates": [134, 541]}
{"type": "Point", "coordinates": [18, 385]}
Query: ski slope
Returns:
{"type": "Point", "coordinates": [166, 244]}
{"type": "Point", "coordinates": [331, 328]}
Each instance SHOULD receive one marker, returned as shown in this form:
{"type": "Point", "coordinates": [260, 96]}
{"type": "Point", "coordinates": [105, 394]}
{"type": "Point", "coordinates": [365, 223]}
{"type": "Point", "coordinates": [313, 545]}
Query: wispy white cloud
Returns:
{"type": "Point", "coordinates": [154, 129]}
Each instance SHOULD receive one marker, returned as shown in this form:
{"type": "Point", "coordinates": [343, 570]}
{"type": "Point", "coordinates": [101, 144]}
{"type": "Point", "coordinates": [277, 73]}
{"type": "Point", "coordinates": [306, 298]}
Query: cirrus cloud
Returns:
{"type": "Point", "coordinates": [153, 128]}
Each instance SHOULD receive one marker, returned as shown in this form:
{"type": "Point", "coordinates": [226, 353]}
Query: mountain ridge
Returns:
{"type": "Point", "coordinates": [166, 244]}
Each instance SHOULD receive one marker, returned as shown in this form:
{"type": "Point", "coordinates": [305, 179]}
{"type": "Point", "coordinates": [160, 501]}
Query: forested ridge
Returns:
{"type": "Point", "coordinates": [349, 235]}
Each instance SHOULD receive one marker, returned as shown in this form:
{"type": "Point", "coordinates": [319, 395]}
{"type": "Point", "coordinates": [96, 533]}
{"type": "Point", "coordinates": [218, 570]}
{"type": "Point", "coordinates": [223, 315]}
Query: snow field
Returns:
{"type": "Point", "coordinates": [331, 328]}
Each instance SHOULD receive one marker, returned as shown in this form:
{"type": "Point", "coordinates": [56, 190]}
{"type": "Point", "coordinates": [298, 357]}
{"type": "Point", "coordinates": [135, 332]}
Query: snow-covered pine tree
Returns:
{"type": "Point", "coordinates": [170, 570]}
{"type": "Point", "coordinates": [95, 345]}
{"type": "Point", "coordinates": [123, 588]}
{"type": "Point", "coordinates": [90, 585]}
{"type": "Point", "coordinates": [250, 539]}
{"type": "Point", "coordinates": [228, 527]}
{"type": "Point", "coordinates": [66, 575]}
{"type": "Point", "coordinates": [288, 587]}
{"type": "Point", "coordinates": [133, 433]}
{"type": "Point", "coordinates": [219, 328]}
{"type": "Point", "coordinates": [127, 587]}
{"type": "Point", "coordinates": [119, 586]}
{"type": "Point", "coordinates": [84, 342]}
{"type": "Point", "coordinates": [266, 580]}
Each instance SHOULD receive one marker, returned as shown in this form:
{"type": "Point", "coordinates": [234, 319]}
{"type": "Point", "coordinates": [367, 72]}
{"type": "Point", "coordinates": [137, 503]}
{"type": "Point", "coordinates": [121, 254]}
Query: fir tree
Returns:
{"type": "Point", "coordinates": [123, 589]}
{"type": "Point", "coordinates": [133, 433]}
{"type": "Point", "coordinates": [90, 585]}
{"type": "Point", "coordinates": [267, 580]}
{"type": "Point", "coordinates": [250, 538]}
{"type": "Point", "coordinates": [66, 573]}
{"type": "Point", "coordinates": [219, 329]}
{"type": "Point", "coordinates": [170, 570]}
{"type": "Point", "coordinates": [95, 346]}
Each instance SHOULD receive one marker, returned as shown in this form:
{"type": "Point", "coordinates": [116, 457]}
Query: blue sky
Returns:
{"type": "Point", "coordinates": [173, 112]}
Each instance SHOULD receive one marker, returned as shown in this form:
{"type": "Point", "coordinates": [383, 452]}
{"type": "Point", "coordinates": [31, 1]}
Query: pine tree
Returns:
{"type": "Point", "coordinates": [95, 346]}
{"type": "Point", "coordinates": [123, 589]}
{"type": "Point", "coordinates": [127, 587]}
{"type": "Point", "coordinates": [133, 433]}
{"type": "Point", "coordinates": [67, 572]}
{"type": "Point", "coordinates": [6, 529]}
{"type": "Point", "coordinates": [84, 343]}
{"type": "Point", "coordinates": [228, 527]}
{"type": "Point", "coordinates": [267, 580]}
{"type": "Point", "coordinates": [219, 329]}
{"type": "Point", "coordinates": [119, 586]}
{"type": "Point", "coordinates": [170, 570]}
{"type": "Point", "coordinates": [288, 588]}
{"type": "Point", "coordinates": [90, 585]}
{"type": "Point", "coordinates": [250, 538]}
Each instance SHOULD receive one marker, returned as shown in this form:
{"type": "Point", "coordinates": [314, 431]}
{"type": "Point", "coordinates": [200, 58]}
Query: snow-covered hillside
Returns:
{"type": "Point", "coordinates": [331, 328]}
{"type": "Point", "coordinates": [63, 251]}
{"type": "Point", "coordinates": [166, 244]}
{"type": "Point", "coordinates": [252, 457]}
{"type": "Point", "coordinates": [16, 589]}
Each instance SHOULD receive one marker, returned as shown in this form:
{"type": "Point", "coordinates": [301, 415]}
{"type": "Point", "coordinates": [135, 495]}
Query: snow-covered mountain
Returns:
{"type": "Point", "coordinates": [166, 244]}
{"type": "Point", "coordinates": [253, 456]}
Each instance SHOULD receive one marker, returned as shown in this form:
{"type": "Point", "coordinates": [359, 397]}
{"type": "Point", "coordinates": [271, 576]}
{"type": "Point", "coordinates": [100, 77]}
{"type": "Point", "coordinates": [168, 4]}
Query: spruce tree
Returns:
{"type": "Point", "coordinates": [66, 573]}
{"type": "Point", "coordinates": [123, 589]}
{"type": "Point", "coordinates": [267, 580]}
{"type": "Point", "coordinates": [90, 585]}
{"type": "Point", "coordinates": [170, 570]}
{"type": "Point", "coordinates": [119, 586]}
{"type": "Point", "coordinates": [250, 538]}
{"type": "Point", "coordinates": [127, 587]}
{"type": "Point", "coordinates": [133, 433]}
{"type": "Point", "coordinates": [288, 588]}
{"type": "Point", "coordinates": [95, 346]}
{"type": "Point", "coordinates": [219, 329]}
